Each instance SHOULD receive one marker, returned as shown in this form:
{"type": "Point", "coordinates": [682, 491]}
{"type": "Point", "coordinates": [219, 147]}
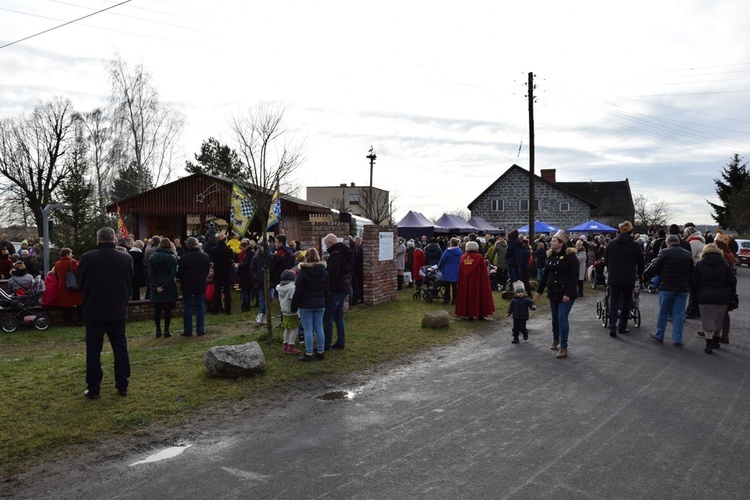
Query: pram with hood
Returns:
{"type": "Point", "coordinates": [20, 307]}
{"type": "Point", "coordinates": [597, 273]}
{"type": "Point", "coordinates": [429, 288]}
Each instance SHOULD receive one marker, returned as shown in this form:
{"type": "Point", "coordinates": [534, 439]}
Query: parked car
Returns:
{"type": "Point", "coordinates": [743, 252]}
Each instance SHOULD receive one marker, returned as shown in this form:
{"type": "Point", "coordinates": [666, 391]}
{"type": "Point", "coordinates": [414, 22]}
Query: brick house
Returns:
{"type": "Point", "coordinates": [505, 203]}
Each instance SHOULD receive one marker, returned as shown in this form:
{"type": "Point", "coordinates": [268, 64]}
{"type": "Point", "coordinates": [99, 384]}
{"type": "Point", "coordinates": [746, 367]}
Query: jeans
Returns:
{"type": "Point", "coordinates": [619, 294]}
{"type": "Point", "coordinates": [262, 300]}
{"type": "Point", "coordinates": [312, 321]}
{"type": "Point", "coordinates": [115, 331]}
{"type": "Point", "coordinates": [200, 313]}
{"type": "Point", "coordinates": [560, 326]}
{"type": "Point", "coordinates": [335, 313]}
{"type": "Point", "coordinates": [539, 272]}
{"type": "Point", "coordinates": [671, 304]}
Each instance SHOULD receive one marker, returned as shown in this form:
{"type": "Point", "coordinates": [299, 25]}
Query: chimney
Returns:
{"type": "Point", "coordinates": [548, 174]}
{"type": "Point", "coordinates": [343, 184]}
{"type": "Point", "coordinates": [352, 184]}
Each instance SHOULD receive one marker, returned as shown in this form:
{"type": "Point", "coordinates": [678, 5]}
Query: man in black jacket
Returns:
{"type": "Point", "coordinates": [223, 259]}
{"type": "Point", "coordinates": [674, 266]}
{"type": "Point", "coordinates": [624, 260]}
{"type": "Point", "coordinates": [339, 268]}
{"type": "Point", "coordinates": [105, 275]}
{"type": "Point", "coordinates": [192, 273]}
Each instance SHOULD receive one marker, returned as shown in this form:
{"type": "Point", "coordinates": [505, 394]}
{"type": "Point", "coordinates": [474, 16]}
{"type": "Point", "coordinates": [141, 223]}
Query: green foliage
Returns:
{"type": "Point", "coordinates": [76, 227]}
{"type": "Point", "coordinates": [126, 183]}
{"type": "Point", "coordinates": [216, 159]}
{"type": "Point", "coordinates": [734, 177]}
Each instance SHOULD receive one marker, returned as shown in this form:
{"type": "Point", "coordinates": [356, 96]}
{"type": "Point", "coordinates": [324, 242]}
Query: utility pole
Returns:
{"type": "Point", "coordinates": [532, 204]}
{"type": "Point", "coordinates": [369, 205]}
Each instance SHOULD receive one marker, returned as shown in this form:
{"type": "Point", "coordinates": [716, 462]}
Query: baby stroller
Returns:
{"type": "Point", "coordinates": [602, 307]}
{"type": "Point", "coordinates": [22, 305]}
{"type": "Point", "coordinates": [428, 288]}
{"type": "Point", "coordinates": [597, 273]}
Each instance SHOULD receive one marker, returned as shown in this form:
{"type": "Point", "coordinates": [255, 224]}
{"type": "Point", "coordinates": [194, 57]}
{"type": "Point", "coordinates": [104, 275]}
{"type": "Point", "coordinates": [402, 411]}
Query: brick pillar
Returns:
{"type": "Point", "coordinates": [379, 276]}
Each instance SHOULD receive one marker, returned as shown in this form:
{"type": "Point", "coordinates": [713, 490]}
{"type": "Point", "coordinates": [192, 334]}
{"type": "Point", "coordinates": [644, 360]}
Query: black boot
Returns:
{"type": "Point", "coordinates": [400, 282]}
{"type": "Point", "coordinates": [715, 340]}
{"type": "Point", "coordinates": [515, 339]}
{"type": "Point", "coordinates": [709, 346]}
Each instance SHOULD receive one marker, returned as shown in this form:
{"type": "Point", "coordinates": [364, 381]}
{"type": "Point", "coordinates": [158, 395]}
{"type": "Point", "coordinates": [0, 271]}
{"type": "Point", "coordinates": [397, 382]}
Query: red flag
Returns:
{"type": "Point", "coordinates": [121, 227]}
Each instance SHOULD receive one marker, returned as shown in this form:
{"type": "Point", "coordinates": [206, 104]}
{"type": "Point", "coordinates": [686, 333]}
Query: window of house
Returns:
{"type": "Point", "coordinates": [353, 198]}
{"type": "Point", "coordinates": [524, 205]}
{"type": "Point", "coordinates": [497, 205]}
{"type": "Point", "coordinates": [565, 206]}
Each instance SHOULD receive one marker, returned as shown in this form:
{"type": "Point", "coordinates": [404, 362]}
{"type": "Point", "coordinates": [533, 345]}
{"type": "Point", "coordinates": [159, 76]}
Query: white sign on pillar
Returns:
{"type": "Point", "coordinates": [385, 246]}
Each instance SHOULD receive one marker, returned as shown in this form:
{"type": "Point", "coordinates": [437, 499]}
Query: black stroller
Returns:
{"type": "Point", "coordinates": [602, 307]}
{"type": "Point", "coordinates": [21, 310]}
{"type": "Point", "coordinates": [429, 289]}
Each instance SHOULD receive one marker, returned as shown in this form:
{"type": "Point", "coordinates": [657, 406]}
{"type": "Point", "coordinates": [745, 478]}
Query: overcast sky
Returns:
{"type": "Point", "coordinates": [654, 91]}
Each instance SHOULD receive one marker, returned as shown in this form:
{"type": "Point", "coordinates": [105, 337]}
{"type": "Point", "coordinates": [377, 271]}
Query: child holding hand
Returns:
{"type": "Point", "coordinates": [519, 307]}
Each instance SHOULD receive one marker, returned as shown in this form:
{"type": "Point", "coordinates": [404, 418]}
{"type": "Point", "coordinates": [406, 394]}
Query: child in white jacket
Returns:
{"type": "Point", "coordinates": [290, 320]}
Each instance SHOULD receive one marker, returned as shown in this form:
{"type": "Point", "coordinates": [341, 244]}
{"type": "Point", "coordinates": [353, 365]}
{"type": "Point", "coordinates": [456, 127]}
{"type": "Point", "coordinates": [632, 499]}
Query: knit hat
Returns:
{"type": "Point", "coordinates": [513, 234]}
{"type": "Point", "coordinates": [518, 287]}
{"type": "Point", "coordinates": [288, 275]}
{"type": "Point", "coordinates": [626, 227]}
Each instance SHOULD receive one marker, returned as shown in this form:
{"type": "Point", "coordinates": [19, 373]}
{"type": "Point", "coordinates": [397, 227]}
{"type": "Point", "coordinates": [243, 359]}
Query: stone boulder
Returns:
{"type": "Point", "coordinates": [436, 319]}
{"type": "Point", "coordinates": [234, 361]}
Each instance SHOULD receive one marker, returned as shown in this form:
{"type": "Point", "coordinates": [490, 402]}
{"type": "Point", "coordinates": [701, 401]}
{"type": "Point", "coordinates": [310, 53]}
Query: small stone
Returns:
{"type": "Point", "coordinates": [436, 319]}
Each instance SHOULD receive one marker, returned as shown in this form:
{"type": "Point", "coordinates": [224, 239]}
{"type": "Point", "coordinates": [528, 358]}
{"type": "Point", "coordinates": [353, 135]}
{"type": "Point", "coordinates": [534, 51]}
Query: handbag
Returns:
{"type": "Point", "coordinates": [71, 280]}
{"type": "Point", "coordinates": [210, 292]}
{"type": "Point", "coordinates": [734, 301]}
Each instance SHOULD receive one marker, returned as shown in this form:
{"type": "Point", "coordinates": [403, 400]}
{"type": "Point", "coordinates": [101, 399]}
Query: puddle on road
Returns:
{"type": "Point", "coordinates": [337, 396]}
{"type": "Point", "coordinates": [170, 452]}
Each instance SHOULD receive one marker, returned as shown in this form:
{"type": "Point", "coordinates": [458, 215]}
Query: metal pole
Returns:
{"type": "Point", "coordinates": [45, 232]}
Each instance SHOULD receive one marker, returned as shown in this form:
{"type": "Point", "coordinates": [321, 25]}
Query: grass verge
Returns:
{"type": "Point", "coordinates": [43, 374]}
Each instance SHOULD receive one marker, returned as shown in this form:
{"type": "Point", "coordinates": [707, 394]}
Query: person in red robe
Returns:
{"type": "Point", "coordinates": [474, 295]}
{"type": "Point", "coordinates": [417, 263]}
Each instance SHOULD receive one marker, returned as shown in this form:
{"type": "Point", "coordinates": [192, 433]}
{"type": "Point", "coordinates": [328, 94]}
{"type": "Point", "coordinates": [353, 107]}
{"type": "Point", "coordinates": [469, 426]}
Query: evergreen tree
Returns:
{"type": "Point", "coordinates": [734, 176]}
{"type": "Point", "coordinates": [216, 159]}
{"type": "Point", "coordinates": [76, 226]}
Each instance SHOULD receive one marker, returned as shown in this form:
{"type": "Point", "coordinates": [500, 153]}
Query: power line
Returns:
{"type": "Point", "coordinates": [143, 18]}
{"type": "Point", "coordinates": [64, 24]}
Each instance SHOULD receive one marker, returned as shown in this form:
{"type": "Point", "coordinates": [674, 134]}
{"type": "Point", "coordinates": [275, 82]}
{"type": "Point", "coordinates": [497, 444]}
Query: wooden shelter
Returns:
{"type": "Point", "coordinates": [184, 208]}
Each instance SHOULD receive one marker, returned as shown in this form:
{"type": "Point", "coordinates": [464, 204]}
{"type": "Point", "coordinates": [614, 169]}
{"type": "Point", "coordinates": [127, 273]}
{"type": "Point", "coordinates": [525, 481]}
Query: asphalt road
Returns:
{"type": "Point", "coordinates": [619, 418]}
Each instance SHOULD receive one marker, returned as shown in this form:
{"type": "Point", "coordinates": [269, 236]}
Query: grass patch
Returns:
{"type": "Point", "coordinates": [43, 374]}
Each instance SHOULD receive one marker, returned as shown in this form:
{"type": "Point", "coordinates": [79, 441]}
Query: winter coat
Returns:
{"type": "Point", "coordinates": [581, 256]}
{"type": "Point", "coordinates": [624, 260]}
{"type": "Point", "coordinates": [281, 260]}
{"type": "Point", "coordinates": [432, 254]}
{"type": "Point", "coordinates": [105, 276]}
{"type": "Point", "coordinates": [697, 242]}
{"type": "Point", "coordinates": [713, 280]}
{"type": "Point", "coordinates": [674, 266]}
{"type": "Point", "coordinates": [162, 270]}
{"type": "Point", "coordinates": [258, 265]}
{"type": "Point", "coordinates": [19, 279]}
{"type": "Point", "coordinates": [450, 263]}
{"type": "Point", "coordinates": [247, 279]}
{"type": "Point", "coordinates": [501, 248]}
{"type": "Point", "coordinates": [540, 255]}
{"type": "Point", "coordinates": [192, 271]}
{"type": "Point", "coordinates": [560, 276]}
{"type": "Point", "coordinates": [514, 253]}
{"type": "Point", "coordinates": [400, 253]}
{"type": "Point", "coordinates": [223, 259]}
{"type": "Point", "coordinates": [339, 268]}
{"type": "Point", "coordinates": [286, 294]}
{"type": "Point", "coordinates": [312, 287]}
{"type": "Point", "coordinates": [139, 275]}
{"type": "Point", "coordinates": [49, 298]}
{"type": "Point", "coordinates": [65, 297]}
{"type": "Point", "coordinates": [519, 307]}
{"type": "Point", "coordinates": [418, 263]}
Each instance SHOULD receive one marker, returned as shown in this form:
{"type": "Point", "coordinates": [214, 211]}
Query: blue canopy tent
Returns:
{"type": "Point", "coordinates": [539, 227]}
{"type": "Point", "coordinates": [593, 226]}
{"type": "Point", "coordinates": [455, 224]}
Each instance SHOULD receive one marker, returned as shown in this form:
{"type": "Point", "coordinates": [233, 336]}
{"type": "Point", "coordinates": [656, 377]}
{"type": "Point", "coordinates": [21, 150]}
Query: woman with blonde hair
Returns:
{"type": "Point", "coordinates": [713, 284]}
{"type": "Point", "coordinates": [310, 296]}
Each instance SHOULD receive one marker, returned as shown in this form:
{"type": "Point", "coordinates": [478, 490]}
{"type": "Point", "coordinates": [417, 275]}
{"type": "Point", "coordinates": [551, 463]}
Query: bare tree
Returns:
{"type": "Point", "coordinates": [461, 212]}
{"type": "Point", "coordinates": [31, 150]}
{"type": "Point", "coordinates": [147, 130]}
{"type": "Point", "coordinates": [270, 163]}
{"type": "Point", "coordinates": [376, 205]}
{"type": "Point", "coordinates": [97, 131]}
{"type": "Point", "coordinates": [650, 211]}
